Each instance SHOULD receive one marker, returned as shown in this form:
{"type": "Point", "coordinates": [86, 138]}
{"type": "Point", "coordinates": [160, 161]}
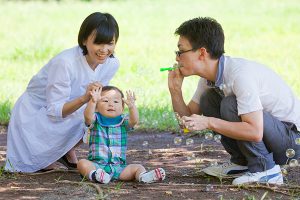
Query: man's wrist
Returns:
{"type": "Point", "coordinates": [176, 93]}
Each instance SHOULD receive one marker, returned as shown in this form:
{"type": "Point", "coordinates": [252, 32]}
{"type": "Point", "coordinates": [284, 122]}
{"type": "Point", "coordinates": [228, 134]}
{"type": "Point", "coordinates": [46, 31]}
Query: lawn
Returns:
{"type": "Point", "coordinates": [32, 32]}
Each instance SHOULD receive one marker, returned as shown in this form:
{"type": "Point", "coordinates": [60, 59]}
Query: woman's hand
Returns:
{"type": "Point", "coordinates": [96, 94]}
{"type": "Point", "coordinates": [91, 87]}
{"type": "Point", "coordinates": [130, 99]}
{"type": "Point", "coordinates": [175, 80]}
{"type": "Point", "coordinates": [196, 122]}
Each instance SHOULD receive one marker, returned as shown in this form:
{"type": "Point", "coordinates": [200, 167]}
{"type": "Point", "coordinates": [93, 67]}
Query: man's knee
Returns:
{"type": "Point", "coordinates": [228, 109]}
{"type": "Point", "coordinates": [207, 97]}
{"type": "Point", "coordinates": [210, 103]}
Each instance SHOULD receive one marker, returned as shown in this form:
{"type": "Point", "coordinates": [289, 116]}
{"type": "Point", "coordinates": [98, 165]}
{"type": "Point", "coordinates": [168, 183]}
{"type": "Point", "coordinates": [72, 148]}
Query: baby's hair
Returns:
{"type": "Point", "coordinates": [107, 88]}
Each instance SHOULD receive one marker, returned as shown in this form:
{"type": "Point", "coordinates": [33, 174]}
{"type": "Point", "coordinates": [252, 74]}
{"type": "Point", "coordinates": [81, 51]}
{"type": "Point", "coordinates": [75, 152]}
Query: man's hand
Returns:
{"type": "Point", "coordinates": [175, 80]}
{"type": "Point", "coordinates": [196, 122]}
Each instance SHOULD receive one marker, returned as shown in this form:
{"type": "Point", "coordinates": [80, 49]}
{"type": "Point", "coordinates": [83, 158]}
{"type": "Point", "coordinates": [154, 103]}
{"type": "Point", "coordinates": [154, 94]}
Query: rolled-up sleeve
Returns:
{"type": "Point", "coordinates": [58, 89]}
{"type": "Point", "coordinates": [247, 95]}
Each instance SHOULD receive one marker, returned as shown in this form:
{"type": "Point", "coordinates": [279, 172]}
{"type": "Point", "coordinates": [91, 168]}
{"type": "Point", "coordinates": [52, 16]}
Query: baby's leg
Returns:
{"type": "Point", "coordinates": [87, 169]}
{"type": "Point", "coordinates": [132, 172]}
{"type": "Point", "coordinates": [155, 175]}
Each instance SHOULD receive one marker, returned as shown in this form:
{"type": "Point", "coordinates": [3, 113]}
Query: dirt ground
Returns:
{"type": "Point", "coordinates": [183, 164]}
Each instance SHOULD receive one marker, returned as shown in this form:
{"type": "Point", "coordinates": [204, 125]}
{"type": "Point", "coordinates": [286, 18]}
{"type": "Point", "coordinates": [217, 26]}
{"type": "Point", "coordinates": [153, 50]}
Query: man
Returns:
{"type": "Point", "coordinates": [253, 109]}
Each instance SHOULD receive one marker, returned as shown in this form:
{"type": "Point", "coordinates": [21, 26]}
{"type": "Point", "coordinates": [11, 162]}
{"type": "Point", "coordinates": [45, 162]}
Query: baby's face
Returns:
{"type": "Point", "coordinates": [110, 104]}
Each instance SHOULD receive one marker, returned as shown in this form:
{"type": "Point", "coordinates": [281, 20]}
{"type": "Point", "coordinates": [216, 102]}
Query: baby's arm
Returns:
{"type": "Point", "coordinates": [91, 106]}
{"type": "Point", "coordinates": [133, 111]}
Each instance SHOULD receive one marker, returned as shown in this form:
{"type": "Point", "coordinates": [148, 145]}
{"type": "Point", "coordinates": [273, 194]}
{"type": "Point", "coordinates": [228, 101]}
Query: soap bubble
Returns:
{"type": "Point", "coordinates": [189, 142]}
{"type": "Point", "coordinates": [217, 138]}
{"type": "Point", "coordinates": [177, 140]}
{"type": "Point", "coordinates": [297, 141]}
{"type": "Point", "coordinates": [293, 163]}
{"type": "Point", "coordinates": [284, 171]}
{"type": "Point", "coordinates": [209, 187]}
{"type": "Point", "coordinates": [145, 143]}
{"type": "Point", "coordinates": [290, 153]}
{"type": "Point", "coordinates": [191, 157]}
{"type": "Point", "coordinates": [209, 136]}
{"type": "Point", "coordinates": [155, 123]}
{"type": "Point", "coordinates": [213, 163]}
{"type": "Point", "coordinates": [165, 114]}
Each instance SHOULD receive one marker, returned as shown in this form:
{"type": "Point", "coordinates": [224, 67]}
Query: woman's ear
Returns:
{"type": "Point", "coordinates": [84, 42]}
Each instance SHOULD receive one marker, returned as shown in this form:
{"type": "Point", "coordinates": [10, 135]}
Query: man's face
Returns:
{"type": "Point", "coordinates": [187, 60]}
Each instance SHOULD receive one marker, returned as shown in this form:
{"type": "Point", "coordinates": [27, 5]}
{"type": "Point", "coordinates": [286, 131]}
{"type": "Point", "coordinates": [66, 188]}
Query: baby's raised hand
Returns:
{"type": "Point", "coordinates": [96, 94]}
{"type": "Point", "coordinates": [130, 99]}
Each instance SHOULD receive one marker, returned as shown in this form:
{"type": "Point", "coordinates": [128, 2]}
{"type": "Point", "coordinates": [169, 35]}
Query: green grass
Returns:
{"type": "Point", "coordinates": [33, 32]}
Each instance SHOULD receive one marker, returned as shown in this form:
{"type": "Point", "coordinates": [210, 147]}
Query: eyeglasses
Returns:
{"type": "Point", "coordinates": [178, 53]}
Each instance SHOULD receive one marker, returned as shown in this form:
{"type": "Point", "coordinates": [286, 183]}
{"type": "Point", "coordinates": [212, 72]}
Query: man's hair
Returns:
{"type": "Point", "coordinates": [105, 27]}
{"type": "Point", "coordinates": [204, 32]}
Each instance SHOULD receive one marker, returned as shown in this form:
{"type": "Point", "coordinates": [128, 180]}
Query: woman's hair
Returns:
{"type": "Point", "coordinates": [105, 27]}
{"type": "Point", "coordinates": [204, 32]}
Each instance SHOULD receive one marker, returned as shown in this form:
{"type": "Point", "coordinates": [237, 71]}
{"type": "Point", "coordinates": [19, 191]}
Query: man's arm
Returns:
{"type": "Point", "coordinates": [179, 105]}
{"type": "Point", "coordinates": [175, 80]}
{"type": "Point", "coordinates": [250, 129]}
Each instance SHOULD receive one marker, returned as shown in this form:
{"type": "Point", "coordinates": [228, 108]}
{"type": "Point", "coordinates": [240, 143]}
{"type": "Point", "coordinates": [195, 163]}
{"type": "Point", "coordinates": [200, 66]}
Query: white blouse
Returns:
{"type": "Point", "coordinates": [37, 133]}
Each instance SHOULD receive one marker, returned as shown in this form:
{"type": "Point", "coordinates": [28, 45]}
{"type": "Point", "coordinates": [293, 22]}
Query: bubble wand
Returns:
{"type": "Point", "coordinates": [175, 66]}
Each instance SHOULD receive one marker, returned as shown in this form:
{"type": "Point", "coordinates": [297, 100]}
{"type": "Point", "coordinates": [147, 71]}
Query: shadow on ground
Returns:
{"type": "Point", "coordinates": [182, 163]}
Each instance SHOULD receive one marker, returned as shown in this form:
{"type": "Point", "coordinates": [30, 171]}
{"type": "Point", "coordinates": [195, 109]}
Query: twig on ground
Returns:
{"type": "Point", "coordinates": [98, 189]}
{"type": "Point", "coordinates": [51, 171]}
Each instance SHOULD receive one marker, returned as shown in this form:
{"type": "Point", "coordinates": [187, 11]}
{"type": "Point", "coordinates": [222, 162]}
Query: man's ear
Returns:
{"type": "Point", "coordinates": [203, 53]}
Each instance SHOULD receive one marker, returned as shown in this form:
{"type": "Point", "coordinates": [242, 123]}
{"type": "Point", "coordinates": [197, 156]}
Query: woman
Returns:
{"type": "Point", "coordinates": [47, 120]}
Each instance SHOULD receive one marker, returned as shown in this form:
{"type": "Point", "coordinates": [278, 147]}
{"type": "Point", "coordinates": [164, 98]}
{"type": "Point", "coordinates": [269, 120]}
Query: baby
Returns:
{"type": "Point", "coordinates": [107, 140]}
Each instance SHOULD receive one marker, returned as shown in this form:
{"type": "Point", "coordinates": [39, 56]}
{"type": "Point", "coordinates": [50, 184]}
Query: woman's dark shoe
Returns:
{"type": "Point", "coordinates": [63, 160]}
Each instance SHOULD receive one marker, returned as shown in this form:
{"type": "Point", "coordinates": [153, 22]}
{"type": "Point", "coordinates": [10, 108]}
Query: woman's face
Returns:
{"type": "Point", "coordinates": [110, 104]}
{"type": "Point", "coordinates": [98, 53]}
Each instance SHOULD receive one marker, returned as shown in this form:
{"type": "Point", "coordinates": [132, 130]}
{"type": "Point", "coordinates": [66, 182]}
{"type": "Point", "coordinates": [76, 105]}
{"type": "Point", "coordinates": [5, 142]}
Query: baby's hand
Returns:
{"type": "Point", "coordinates": [96, 94]}
{"type": "Point", "coordinates": [130, 99]}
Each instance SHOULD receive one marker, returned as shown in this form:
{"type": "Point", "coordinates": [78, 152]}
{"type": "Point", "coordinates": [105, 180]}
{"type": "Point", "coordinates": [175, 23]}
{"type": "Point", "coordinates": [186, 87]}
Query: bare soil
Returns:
{"type": "Point", "coordinates": [182, 163]}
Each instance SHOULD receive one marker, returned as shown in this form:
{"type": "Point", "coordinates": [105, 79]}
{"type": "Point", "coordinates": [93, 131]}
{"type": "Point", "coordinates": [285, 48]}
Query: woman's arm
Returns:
{"type": "Point", "coordinates": [74, 105]}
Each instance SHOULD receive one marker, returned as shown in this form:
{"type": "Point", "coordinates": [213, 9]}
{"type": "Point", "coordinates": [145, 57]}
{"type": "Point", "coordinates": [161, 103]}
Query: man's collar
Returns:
{"type": "Point", "coordinates": [219, 75]}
